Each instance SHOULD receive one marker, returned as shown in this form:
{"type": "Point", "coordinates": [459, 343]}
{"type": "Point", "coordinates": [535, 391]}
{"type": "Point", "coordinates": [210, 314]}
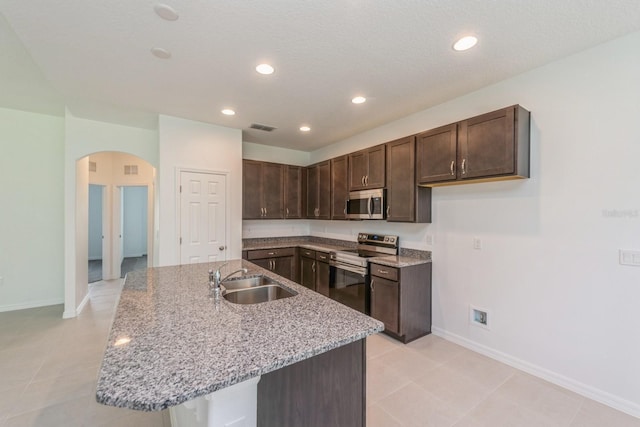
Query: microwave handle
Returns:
{"type": "Point", "coordinates": [369, 207]}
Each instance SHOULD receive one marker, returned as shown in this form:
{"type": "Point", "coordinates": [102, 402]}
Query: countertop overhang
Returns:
{"type": "Point", "coordinates": [170, 342]}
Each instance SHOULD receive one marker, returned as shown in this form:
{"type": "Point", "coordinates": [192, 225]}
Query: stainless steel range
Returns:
{"type": "Point", "coordinates": [349, 269]}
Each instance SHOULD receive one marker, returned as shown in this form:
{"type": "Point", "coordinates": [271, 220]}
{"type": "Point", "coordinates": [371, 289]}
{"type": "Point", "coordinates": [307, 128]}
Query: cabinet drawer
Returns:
{"type": "Point", "coordinates": [308, 253]}
{"type": "Point", "coordinates": [390, 273]}
{"type": "Point", "coordinates": [322, 256]}
{"type": "Point", "coordinates": [270, 253]}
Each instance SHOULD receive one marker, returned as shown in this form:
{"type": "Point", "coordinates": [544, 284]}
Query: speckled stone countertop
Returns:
{"type": "Point", "coordinates": [170, 342]}
{"type": "Point", "coordinates": [407, 257]}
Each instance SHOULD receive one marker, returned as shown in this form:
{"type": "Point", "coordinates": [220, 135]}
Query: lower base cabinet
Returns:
{"type": "Point", "coordinates": [401, 299]}
{"type": "Point", "coordinates": [280, 261]}
{"type": "Point", "coordinates": [325, 390]}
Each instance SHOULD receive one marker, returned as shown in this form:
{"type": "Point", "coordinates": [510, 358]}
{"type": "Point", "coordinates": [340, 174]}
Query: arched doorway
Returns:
{"type": "Point", "coordinates": [115, 173]}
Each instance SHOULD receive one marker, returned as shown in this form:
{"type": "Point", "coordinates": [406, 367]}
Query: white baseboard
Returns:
{"type": "Point", "coordinates": [69, 314]}
{"type": "Point", "coordinates": [31, 304]}
{"type": "Point", "coordinates": [593, 393]}
{"type": "Point", "coordinates": [84, 302]}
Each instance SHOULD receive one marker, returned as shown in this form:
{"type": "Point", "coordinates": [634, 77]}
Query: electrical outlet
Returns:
{"type": "Point", "coordinates": [479, 317]}
{"type": "Point", "coordinates": [629, 258]}
{"type": "Point", "coordinates": [477, 243]}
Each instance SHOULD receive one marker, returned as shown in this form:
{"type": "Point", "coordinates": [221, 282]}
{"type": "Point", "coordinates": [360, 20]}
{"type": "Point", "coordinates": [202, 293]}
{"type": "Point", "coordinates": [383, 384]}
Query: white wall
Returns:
{"type": "Point", "coordinates": [95, 222]}
{"type": "Point", "coordinates": [561, 305]}
{"type": "Point", "coordinates": [251, 151]}
{"type": "Point", "coordinates": [134, 221]}
{"type": "Point", "coordinates": [187, 144]}
{"type": "Point", "coordinates": [83, 137]}
{"type": "Point", "coordinates": [31, 189]}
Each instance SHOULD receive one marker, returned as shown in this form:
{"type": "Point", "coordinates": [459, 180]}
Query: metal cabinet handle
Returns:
{"type": "Point", "coordinates": [383, 271]}
{"type": "Point", "coordinates": [464, 169]}
{"type": "Point", "coordinates": [271, 253]}
{"type": "Point", "coordinates": [366, 180]}
{"type": "Point", "coordinates": [362, 180]}
{"type": "Point", "coordinates": [451, 167]}
{"type": "Point", "coordinates": [313, 266]}
{"type": "Point", "coordinates": [371, 285]}
{"type": "Point", "coordinates": [346, 203]}
{"type": "Point", "coordinates": [388, 209]}
{"type": "Point", "coordinates": [265, 211]}
{"type": "Point", "coordinates": [287, 211]}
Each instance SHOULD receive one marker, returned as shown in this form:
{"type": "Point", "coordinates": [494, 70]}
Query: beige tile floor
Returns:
{"type": "Point", "coordinates": [48, 369]}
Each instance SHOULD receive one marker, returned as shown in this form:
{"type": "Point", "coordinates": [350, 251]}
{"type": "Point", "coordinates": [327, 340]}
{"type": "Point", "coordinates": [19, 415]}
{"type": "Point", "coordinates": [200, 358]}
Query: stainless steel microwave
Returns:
{"type": "Point", "coordinates": [366, 204]}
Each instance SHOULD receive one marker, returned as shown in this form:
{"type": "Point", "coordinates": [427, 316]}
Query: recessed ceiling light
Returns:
{"type": "Point", "coordinates": [166, 12]}
{"type": "Point", "coordinates": [161, 53]}
{"type": "Point", "coordinates": [359, 100]}
{"type": "Point", "coordinates": [305, 128]}
{"type": "Point", "coordinates": [465, 43]}
{"type": "Point", "coordinates": [264, 69]}
{"type": "Point", "coordinates": [228, 112]}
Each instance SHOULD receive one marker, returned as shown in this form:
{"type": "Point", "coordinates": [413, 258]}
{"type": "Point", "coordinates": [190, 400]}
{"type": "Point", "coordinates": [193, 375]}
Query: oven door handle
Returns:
{"type": "Point", "coordinates": [369, 206]}
{"type": "Point", "coordinates": [342, 266]}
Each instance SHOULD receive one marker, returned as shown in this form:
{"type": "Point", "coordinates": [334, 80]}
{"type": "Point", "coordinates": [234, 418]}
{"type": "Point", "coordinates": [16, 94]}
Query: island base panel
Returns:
{"type": "Point", "coordinates": [326, 390]}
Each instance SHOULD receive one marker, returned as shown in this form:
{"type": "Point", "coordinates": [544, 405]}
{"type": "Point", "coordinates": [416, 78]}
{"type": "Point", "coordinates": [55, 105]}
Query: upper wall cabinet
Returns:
{"type": "Point", "coordinates": [262, 190]}
{"type": "Point", "coordinates": [367, 168]}
{"type": "Point", "coordinates": [406, 202]}
{"type": "Point", "coordinates": [319, 190]}
{"type": "Point", "coordinates": [489, 147]}
{"type": "Point", "coordinates": [293, 185]}
{"type": "Point", "coordinates": [339, 187]}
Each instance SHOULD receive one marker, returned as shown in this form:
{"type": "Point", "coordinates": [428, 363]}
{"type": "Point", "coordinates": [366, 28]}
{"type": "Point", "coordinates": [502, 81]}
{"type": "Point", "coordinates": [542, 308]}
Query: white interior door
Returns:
{"type": "Point", "coordinates": [203, 219]}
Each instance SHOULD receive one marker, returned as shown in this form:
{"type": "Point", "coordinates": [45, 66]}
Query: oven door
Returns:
{"type": "Point", "coordinates": [349, 285]}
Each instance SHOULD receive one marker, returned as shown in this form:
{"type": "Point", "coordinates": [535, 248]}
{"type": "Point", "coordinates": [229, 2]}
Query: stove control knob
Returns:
{"type": "Point", "coordinates": [386, 239]}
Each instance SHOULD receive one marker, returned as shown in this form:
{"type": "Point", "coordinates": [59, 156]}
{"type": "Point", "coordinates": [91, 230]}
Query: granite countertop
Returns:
{"type": "Point", "coordinates": [407, 257]}
{"type": "Point", "coordinates": [170, 343]}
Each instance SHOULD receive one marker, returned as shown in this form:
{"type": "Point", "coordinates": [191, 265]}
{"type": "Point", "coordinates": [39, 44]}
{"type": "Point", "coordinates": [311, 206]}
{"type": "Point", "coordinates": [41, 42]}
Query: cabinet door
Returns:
{"type": "Point", "coordinates": [283, 266]}
{"type": "Point", "coordinates": [251, 189]}
{"type": "Point", "coordinates": [339, 187]}
{"type": "Point", "coordinates": [385, 303]}
{"type": "Point", "coordinates": [358, 166]}
{"type": "Point", "coordinates": [436, 154]}
{"type": "Point", "coordinates": [272, 190]}
{"type": "Point", "coordinates": [487, 145]}
{"type": "Point", "coordinates": [264, 263]}
{"type": "Point", "coordinates": [322, 278]}
{"type": "Point", "coordinates": [293, 192]}
{"type": "Point", "coordinates": [324, 190]}
{"type": "Point", "coordinates": [375, 176]}
{"type": "Point", "coordinates": [312, 191]}
{"type": "Point", "coordinates": [401, 185]}
{"type": "Point", "coordinates": [308, 272]}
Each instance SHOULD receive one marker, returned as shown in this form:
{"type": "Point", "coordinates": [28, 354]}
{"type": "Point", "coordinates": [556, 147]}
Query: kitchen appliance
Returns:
{"type": "Point", "coordinates": [349, 269]}
{"type": "Point", "coordinates": [366, 204]}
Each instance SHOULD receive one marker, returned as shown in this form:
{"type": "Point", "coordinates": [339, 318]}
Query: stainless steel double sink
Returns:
{"type": "Point", "coordinates": [254, 290]}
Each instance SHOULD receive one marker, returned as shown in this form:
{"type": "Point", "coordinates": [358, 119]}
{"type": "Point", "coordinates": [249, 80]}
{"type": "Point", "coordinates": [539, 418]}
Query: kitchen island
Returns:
{"type": "Point", "coordinates": [170, 343]}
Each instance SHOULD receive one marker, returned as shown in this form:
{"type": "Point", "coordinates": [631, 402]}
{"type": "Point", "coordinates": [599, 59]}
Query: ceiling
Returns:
{"type": "Point", "coordinates": [94, 57]}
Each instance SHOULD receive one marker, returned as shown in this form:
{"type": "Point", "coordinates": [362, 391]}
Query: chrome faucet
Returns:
{"type": "Point", "coordinates": [214, 277]}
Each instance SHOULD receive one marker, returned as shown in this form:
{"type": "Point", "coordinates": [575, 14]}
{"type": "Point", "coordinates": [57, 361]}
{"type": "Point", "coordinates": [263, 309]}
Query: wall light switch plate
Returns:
{"type": "Point", "coordinates": [629, 258]}
{"type": "Point", "coordinates": [477, 243]}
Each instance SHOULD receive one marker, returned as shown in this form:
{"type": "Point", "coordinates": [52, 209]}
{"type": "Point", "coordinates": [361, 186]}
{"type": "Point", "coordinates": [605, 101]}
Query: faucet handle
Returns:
{"type": "Point", "coordinates": [210, 275]}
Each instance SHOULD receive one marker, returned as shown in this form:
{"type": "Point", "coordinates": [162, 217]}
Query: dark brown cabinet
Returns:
{"type": "Point", "coordinates": [262, 190]}
{"type": "Point", "coordinates": [293, 194]}
{"type": "Point", "coordinates": [367, 168]}
{"type": "Point", "coordinates": [307, 264]}
{"type": "Point", "coordinates": [279, 261]}
{"type": "Point", "coordinates": [492, 146]}
{"type": "Point", "coordinates": [339, 187]}
{"type": "Point", "coordinates": [401, 299]}
{"type": "Point", "coordinates": [319, 191]}
{"type": "Point", "coordinates": [322, 273]}
{"type": "Point", "coordinates": [406, 202]}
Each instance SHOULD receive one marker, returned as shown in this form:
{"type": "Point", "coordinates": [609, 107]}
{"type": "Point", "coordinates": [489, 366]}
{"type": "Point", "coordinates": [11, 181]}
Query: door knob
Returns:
{"type": "Point", "coordinates": [222, 248]}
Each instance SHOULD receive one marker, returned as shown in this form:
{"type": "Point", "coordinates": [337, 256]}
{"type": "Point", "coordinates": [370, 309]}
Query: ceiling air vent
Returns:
{"type": "Point", "coordinates": [93, 167]}
{"type": "Point", "coordinates": [262, 127]}
{"type": "Point", "coordinates": [131, 169]}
